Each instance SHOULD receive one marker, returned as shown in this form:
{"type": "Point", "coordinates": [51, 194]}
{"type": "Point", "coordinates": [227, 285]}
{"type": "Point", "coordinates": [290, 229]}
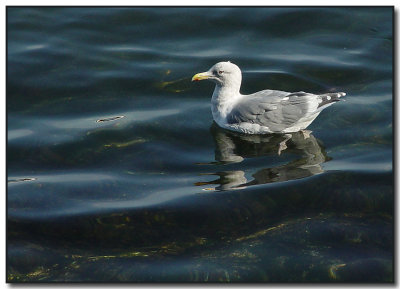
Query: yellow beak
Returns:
{"type": "Point", "coordinates": [201, 76]}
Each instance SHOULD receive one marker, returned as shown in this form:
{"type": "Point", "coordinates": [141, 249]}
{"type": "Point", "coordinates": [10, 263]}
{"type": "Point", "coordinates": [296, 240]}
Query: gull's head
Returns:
{"type": "Point", "coordinates": [222, 73]}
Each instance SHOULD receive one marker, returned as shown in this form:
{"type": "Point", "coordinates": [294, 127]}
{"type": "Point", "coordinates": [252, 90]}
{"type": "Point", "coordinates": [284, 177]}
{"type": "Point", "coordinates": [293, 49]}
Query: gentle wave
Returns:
{"type": "Point", "coordinates": [113, 160]}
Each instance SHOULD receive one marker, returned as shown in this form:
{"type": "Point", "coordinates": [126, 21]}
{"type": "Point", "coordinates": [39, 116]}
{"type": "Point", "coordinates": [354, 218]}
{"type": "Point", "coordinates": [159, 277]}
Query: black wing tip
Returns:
{"type": "Point", "coordinates": [335, 94]}
{"type": "Point", "coordinates": [328, 98]}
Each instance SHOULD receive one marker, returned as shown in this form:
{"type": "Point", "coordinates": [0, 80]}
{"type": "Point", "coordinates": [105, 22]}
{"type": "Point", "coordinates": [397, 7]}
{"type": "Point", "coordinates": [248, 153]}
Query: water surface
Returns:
{"type": "Point", "coordinates": [116, 171]}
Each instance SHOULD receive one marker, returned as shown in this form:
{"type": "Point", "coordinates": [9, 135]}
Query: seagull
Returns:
{"type": "Point", "coordinates": [266, 111]}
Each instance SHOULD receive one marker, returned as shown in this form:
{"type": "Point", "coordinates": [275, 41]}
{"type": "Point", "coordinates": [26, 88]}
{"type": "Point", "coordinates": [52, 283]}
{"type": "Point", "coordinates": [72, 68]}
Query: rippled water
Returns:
{"type": "Point", "coordinates": [116, 171]}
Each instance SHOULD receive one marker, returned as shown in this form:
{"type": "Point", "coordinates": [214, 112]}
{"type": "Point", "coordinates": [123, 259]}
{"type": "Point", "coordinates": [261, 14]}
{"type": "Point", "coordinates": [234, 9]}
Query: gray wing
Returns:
{"type": "Point", "coordinates": [275, 109]}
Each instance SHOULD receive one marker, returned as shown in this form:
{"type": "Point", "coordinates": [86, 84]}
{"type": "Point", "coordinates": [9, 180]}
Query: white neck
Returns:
{"type": "Point", "coordinates": [223, 100]}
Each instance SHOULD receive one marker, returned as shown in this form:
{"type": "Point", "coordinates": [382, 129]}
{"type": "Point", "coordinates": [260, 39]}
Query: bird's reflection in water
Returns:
{"type": "Point", "coordinates": [232, 147]}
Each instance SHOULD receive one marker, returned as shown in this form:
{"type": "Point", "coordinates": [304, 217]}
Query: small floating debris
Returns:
{"type": "Point", "coordinates": [21, 180]}
{"type": "Point", "coordinates": [110, 118]}
{"type": "Point", "coordinates": [333, 269]}
{"type": "Point", "coordinates": [127, 143]}
{"type": "Point", "coordinates": [176, 86]}
{"type": "Point", "coordinates": [208, 189]}
{"type": "Point", "coordinates": [201, 183]}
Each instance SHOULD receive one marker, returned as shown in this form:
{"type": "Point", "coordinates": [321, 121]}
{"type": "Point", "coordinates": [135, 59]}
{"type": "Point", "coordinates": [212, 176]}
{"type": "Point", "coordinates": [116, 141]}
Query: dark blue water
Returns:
{"type": "Point", "coordinates": [116, 171]}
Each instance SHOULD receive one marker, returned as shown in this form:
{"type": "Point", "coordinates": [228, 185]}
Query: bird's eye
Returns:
{"type": "Point", "coordinates": [220, 72]}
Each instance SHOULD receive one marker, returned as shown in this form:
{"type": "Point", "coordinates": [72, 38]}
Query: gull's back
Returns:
{"type": "Point", "coordinates": [277, 111]}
